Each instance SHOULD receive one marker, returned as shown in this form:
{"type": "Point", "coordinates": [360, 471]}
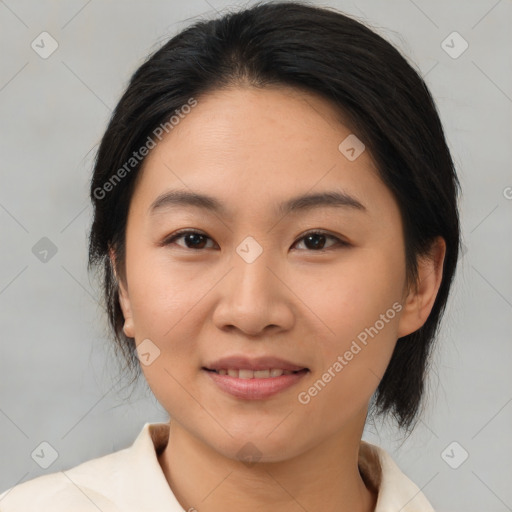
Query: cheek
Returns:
{"type": "Point", "coordinates": [167, 305]}
{"type": "Point", "coordinates": [352, 294]}
{"type": "Point", "coordinates": [359, 305]}
{"type": "Point", "coordinates": [361, 309]}
{"type": "Point", "coordinates": [163, 293]}
{"type": "Point", "coordinates": [167, 302]}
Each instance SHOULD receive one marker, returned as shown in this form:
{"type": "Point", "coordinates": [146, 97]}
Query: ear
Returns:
{"type": "Point", "coordinates": [124, 300]}
{"type": "Point", "coordinates": [421, 297]}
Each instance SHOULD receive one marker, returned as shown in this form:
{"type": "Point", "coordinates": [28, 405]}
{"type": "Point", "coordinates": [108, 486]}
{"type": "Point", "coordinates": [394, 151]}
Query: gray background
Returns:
{"type": "Point", "coordinates": [59, 379]}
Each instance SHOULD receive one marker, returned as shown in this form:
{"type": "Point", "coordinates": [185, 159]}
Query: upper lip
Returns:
{"type": "Point", "coordinates": [256, 363]}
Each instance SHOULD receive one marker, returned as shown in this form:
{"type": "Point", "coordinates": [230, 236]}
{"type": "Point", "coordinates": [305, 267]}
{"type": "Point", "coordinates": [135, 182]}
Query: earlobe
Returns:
{"type": "Point", "coordinates": [128, 328]}
{"type": "Point", "coordinates": [420, 299]}
{"type": "Point", "coordinates": [124, 300]}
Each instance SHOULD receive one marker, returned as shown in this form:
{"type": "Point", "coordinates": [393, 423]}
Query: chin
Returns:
{"type": "Point", "coordinates": [253, 448]}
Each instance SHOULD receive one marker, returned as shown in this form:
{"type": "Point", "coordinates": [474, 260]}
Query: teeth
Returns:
{"type": "Point", "coordinates": [254, 374]}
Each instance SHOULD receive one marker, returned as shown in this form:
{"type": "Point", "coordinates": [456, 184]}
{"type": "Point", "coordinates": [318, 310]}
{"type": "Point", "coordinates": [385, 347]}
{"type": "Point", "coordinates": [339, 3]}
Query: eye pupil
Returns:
{"type": "Point", "coordinates": [191, 236]}
{"type": "Point", "coordinates": [314, 236]}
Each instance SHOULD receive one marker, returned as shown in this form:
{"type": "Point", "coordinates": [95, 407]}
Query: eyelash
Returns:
{"type": "Point", "coordinates": [181, 233]}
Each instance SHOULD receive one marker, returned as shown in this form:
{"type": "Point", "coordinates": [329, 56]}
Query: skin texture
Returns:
{"type": "Point", "coordinates": [252, 149]}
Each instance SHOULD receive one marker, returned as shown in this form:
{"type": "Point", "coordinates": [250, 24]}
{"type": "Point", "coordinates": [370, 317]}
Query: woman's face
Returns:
{"type": "Point", "coordinates": [251, 284]}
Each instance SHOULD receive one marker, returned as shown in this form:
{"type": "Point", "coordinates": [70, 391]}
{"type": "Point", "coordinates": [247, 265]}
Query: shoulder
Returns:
{"type": "Point", "coordinates": [83, 488]}
{"type": "Point", "coordinates": [128, 480]}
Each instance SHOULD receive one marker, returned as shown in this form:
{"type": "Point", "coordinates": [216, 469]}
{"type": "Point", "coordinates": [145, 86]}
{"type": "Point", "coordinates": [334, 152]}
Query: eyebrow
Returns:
{"type": "Point", "coordinates": [173, 198]}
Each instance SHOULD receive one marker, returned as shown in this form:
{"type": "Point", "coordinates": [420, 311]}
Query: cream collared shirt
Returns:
{"type": "Point", "coordinates": [131, 480]}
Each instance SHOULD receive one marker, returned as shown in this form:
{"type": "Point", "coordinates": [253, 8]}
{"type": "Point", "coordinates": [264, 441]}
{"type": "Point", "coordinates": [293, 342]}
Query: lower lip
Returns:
{"type": "Point", "coordinates": [255, 389]}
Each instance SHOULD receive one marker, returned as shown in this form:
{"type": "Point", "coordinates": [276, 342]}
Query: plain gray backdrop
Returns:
{"type": "Point", "coordinates": [59, 379]}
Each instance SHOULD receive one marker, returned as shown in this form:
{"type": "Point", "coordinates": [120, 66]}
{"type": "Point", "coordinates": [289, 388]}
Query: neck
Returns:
{"type": "Point", "coordinates": [325, 478]}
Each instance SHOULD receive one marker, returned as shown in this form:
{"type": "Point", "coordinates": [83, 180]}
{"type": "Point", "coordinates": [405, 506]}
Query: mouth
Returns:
{"type": "Point", "coordinates": [253, 378]}
{"type": "Point", "coordinates": [247, 384]}
{"type": "Point", "coordinates": [246, 373]}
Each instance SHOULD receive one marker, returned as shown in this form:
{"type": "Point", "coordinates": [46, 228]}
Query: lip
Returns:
{"type": "Point", "coordinates": [255, 389]}
{"type": "Point", "coordinates": [256, 363]}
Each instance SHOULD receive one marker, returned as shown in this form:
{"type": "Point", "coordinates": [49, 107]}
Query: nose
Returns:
{"type": "Point", "coordinates": [254, 298]}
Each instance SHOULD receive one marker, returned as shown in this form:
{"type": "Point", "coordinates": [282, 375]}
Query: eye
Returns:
{"type": "Point", "coordinates": [196, 240]}
{"type": "Point", "coordinates": [193, 239]}
{"type": "Point", "coordinates": [316, 240]}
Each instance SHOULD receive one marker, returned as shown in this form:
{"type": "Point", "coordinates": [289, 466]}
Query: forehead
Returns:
{"type": "Point", "coordinates": [283, 119]}
{"type": "Point", "coordinates": [250, 146]}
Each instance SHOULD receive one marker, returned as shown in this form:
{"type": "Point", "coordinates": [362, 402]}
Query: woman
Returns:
{"type": "Point", "coordinates": [275, 219]}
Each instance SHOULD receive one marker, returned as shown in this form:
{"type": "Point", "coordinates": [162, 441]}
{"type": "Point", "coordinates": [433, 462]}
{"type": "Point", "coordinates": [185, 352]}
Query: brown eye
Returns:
{"type": "Point", "coordinates": [192, 239]}
{"type": "Point", "coordinates": [316, 241]}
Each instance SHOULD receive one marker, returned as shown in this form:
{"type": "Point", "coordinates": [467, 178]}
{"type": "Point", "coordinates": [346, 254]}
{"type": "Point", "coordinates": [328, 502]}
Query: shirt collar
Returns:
{"type": "Point", "coordinates": [396, 492]}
